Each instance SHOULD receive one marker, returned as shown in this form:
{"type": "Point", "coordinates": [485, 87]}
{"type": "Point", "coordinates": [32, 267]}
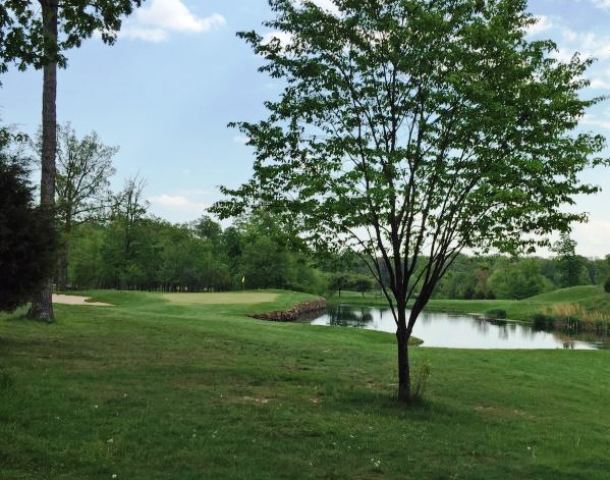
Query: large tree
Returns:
{"type": "Point", "coordinates": [413, 129]}
{"type": "Point", "coordinates": [82, 187]}
{"type": "Point", "coordinates": [38, 33]}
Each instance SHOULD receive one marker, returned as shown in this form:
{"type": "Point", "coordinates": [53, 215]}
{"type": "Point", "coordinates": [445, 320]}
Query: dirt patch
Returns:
{"type": "Point", "coordinates": [77, 300]}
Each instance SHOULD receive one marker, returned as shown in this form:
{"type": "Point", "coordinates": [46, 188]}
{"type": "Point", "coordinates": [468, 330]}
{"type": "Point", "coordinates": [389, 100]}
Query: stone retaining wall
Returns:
{"type": "Point", "coordinates": [295, 312]}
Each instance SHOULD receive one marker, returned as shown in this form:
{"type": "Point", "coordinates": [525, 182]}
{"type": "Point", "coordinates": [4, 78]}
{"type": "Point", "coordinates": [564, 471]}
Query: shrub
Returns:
{"type": "Point", "coordinates": [542, 321]}
{"type": "Point", "coordinates": [607, 286]}
{"type": "Point", "coordinates": [496, 314]}
{"type": "Point", "coordinates": [573, 324]}
{"type": "Point", "coordinates": [26, 236]}
{"type": "Point", "coordinates": [421, 382]}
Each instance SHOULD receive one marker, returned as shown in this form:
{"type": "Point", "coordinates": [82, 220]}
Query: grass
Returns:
{"type": "Point", "coordinates": [150, 389]}
{"type": "Point", "coordinates": [592, 299]}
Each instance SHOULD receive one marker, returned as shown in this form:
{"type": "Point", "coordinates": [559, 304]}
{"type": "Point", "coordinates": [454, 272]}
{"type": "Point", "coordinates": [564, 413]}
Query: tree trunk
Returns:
{"type": "Point", "coordinates": [404, 373]}
{"type": "Point", "coordinates": [42, 305]}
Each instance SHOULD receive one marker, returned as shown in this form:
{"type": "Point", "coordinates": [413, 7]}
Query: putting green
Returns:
{"type": "Point", "coordinates": [225, 298]}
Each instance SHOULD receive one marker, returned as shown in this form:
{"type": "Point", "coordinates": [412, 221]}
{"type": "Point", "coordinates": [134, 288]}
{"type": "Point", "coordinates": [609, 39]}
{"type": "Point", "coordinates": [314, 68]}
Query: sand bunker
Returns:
{"type": "Point", "coordinates": [76, 300]}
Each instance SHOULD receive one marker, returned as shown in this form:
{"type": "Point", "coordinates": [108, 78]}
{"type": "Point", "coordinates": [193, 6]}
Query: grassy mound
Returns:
{"type": "Point", "coordinates": [150, 389]}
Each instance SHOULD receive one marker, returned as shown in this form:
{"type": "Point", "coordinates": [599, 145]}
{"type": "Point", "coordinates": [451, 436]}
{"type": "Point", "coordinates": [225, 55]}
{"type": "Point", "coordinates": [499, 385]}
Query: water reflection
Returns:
{"type": "Point", "coordinates": [458, 331]}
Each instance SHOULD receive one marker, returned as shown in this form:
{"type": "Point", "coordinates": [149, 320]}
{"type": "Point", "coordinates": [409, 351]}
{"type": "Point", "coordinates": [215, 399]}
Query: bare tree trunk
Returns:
{"type": "Point", "coordinates": [404, 373]}
{"type": "Point", "coordinates": [42, 305]}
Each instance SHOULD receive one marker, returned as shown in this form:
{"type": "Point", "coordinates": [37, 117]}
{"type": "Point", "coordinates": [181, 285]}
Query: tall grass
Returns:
{"type": "Point", "coordinates": [572, 317]}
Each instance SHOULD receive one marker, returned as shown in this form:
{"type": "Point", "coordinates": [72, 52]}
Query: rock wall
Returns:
{"type": "Point", "coordinates": [295, 312]}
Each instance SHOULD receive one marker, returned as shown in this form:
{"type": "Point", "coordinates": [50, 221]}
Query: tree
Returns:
{"type": "Point", "coordinates": [82, 187]}
{"type": "Point", "coordinates": [569, 265]}
{"type": "Point", "coordinates": [120, 250]}
{"type": "Point", "coordinates": [362, 284]}
{"type": "Point", "coordinates": [26, 236]}
{"type": "Point", "coordinates": [205, 227]}
{"type": "Point", "coordinates": [414, 129]}
{"type": "Point", "coordinates": [30, 36]}
{"type": "Point", "coordinates": [607, 286]}
{"type": "Point", "coordinates": [338, 282]}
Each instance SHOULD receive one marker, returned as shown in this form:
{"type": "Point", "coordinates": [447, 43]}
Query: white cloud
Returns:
{"type": "Point", "coordinates": [242, 139]}
{"type": "Point", "coordinates": [598, 121]}
{"type": "Point", "coordinates": [154, 35]}
{"type": "Point", "coordinates": [177, 207]}
{"type": "Point", "coordinates": [153, 22]}
{"type": "Point", "coordinates": [602, 3]}
{"type": "Point", "coordinates": [328, 5]}
{"type": "Point", "coordinates": [285, 38]}
{"type": "Point", "coordinates": [543, 23]}
{"type": "Point", "coordinates": [592, 238]}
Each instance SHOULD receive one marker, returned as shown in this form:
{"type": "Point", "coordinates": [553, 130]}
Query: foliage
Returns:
{"type": "Point", "coordinates": [84, 168]}
{"type": "Point", "coordinates": [519, 280]}
{"type": "Point", "coordinates": [82, 186]}
{"type": "Point", "coordinates": [412, 130]}
{"type": "Point", "coordinates": [22, 36]}
{"type": "Point", "coordinates": [607, 286]}
{"type": "Point", "coordinates": [543, 321]}
{"type": "Point", "coordinates": [26, 237]}
{"type": "Point", "coordinates": [569, 265]}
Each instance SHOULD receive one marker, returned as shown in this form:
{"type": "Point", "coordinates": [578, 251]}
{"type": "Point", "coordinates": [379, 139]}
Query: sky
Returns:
{"type": "Point", "coordinates": [165, 92]}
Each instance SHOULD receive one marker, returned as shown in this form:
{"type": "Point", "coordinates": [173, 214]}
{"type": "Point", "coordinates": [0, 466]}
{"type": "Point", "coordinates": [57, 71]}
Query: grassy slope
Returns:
{"type": "Point", "coordinates": [590, 297]}
{"type": "Point", "coordinates": [150, 390]}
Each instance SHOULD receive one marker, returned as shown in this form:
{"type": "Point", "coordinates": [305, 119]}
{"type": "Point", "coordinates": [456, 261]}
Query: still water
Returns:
{"type": "Point", "coordinates": [456, 331]}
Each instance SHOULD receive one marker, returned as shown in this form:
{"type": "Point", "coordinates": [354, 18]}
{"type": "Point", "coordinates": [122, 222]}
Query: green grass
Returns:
{"type": "Point", "coordinates": [151, 390]}
{"type": "Point", "coordinates": [592, 298]}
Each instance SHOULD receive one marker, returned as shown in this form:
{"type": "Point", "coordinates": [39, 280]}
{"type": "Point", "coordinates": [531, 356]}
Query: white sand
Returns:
{"type": "Point", "coordinates": [76, 300]}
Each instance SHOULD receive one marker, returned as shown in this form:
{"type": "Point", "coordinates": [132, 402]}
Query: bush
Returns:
{"type": "Point", "coordinates": [496, 314]}
{"type": "Point", "coordinates": [607, 286]}
{"type": "Point", "coordinates": [573, 324]}
{"type": "Point", "coordinates": [543, 322]}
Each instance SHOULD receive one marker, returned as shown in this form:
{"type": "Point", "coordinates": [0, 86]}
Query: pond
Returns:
{"type": "Point", "coordinates": [456, 331]}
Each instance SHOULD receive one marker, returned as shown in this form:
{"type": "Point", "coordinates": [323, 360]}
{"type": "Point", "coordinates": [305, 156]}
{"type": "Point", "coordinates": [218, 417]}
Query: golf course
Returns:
{"type": "Point", "coordinates": [189, 386]}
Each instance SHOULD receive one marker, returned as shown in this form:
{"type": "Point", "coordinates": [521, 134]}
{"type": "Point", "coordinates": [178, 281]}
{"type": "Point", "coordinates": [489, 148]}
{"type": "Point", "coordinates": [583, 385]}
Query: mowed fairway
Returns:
{"type": "Point", "coordinates": [152, 389]}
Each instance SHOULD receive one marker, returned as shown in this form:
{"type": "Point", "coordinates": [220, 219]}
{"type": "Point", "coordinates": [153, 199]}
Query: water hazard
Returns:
{"type": "Point", "coordinates": [457, 331]}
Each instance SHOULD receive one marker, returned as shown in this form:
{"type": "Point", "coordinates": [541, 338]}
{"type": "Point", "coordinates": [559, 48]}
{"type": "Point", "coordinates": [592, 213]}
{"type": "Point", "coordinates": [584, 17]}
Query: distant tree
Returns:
{"type": "Point", "coordinates": [569, 265]}
{"type": "Point", "coordinates": [207, 228]}
{"type": "Point", "coordinates": [413, 129]}
{"type": "Point", "coordinates": [519, 279]}
{"type": "Point", "coordinates": [38, 33]}
{"type": "Point", "coordinates": [338, 282]}
{"type": "Point", "coordinates": [26, 235]}
{"type": "Point", "coordinates": [82, 188]}
{"type": "Point", "coordinates": [123, 236]}
{"type": "Point", "coordinates": [362, 284]}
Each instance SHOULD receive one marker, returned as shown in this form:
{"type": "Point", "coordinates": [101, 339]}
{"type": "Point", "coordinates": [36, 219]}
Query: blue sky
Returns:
{"type": "Point", "coordinates": [178, 74]}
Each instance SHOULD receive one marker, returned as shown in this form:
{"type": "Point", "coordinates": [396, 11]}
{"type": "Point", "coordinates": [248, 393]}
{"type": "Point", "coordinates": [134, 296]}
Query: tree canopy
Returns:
{"type": "Point", "coordinates": [24, 42]}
